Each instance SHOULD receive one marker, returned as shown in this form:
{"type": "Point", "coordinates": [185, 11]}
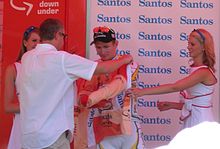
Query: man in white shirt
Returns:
{"type": "Point", "coordinates": [46, 88]}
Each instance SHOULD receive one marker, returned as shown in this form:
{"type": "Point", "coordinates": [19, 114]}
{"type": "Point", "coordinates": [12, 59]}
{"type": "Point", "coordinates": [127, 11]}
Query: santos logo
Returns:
{"type": "Point", "coordinates": [155, 137]}
{"type": "Point", "coordinates": [158, 3]}
{"type": "Point", "coordinates": [123, 36]}
{"type": "Point", "coordinates": [159, 36]}
{"type": "Point", "coordinates": [156, 20]}
{"type": "Point", "coordinates": [142, 103]}
{"type": "Point", "coordinates": [184, 70]}
{"type": "Point", "coordinates": [123, 52]}
{"type": "Point", "coordinates": [155, 120]}
{"type": "Point", "coordinates": [143, 85]}
{"type": "Point", "coordinates": [186, 4]}
{"type": "Point", "coordinates": [114, 3]}
{"type": "Point", "coordinates": [154, 53]}
{"type": "Point", "coordinates": [154, 70]}
{"type": "Point", "coordinates": [183, 37]}
{"type": "Point", "coordinates": [184, 53]}
{"type": "Point", "coordinates": [113, 19]}
{"type": "Point", "coordinates": [196, 21]}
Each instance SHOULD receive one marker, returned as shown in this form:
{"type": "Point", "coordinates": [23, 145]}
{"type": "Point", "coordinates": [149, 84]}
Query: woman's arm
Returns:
{"type": "Point", "coordinates": [199, 76]}
{"type": "Point", "coordinates": [11, 105]}
{"type": "Point", "coordinates": [166, 105]}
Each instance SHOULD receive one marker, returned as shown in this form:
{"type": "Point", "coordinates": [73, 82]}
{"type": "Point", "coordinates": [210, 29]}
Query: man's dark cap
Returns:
{"type": "Point", "coordinates": [103, 34]}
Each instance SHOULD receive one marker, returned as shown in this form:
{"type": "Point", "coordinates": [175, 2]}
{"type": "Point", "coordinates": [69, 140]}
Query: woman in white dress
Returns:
{"type": "Point", "coordinates": [11, 102]}
{"type": "Point", "coordinates": [197, 88]}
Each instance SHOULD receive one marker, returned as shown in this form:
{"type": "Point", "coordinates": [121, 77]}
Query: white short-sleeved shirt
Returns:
{"type": "Point", "coordinates": [47, 93]}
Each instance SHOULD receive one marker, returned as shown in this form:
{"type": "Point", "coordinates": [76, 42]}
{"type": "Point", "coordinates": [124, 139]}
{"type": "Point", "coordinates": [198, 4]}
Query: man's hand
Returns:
{"type": "Point", "coordinates": [127, 59]}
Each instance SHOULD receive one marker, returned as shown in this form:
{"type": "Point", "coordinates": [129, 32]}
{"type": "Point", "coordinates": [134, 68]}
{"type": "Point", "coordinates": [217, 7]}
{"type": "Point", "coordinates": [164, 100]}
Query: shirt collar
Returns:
{"type": "Point", "coordinates": [46, 46]}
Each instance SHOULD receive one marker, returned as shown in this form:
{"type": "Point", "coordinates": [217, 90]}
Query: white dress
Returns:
{"type": "Point", "coordinates": [198, 103]}
{"type": "Point", "coordinates": [15, 136]}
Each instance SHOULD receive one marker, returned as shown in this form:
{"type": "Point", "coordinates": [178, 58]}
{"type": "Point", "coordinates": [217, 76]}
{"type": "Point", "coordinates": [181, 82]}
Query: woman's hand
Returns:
{"type": "Point", "coordinates": [135, 92]}
{"type": "Point", "coordinates": [164, 105]}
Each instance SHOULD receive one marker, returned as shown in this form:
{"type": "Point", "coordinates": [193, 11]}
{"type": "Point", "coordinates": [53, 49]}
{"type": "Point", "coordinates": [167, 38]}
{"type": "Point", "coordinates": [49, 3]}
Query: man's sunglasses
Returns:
{"type": "Point", "coordinates": [63, 34]}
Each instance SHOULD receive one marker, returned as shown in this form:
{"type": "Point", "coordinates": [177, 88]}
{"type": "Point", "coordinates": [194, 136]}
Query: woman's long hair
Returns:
{"type": "Point", "coordinates": [209, 50]}
{"type": "Point", "coordinates": [26, 36]}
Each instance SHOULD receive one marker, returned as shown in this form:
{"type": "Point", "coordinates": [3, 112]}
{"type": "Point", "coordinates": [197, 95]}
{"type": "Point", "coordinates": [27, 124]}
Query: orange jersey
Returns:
{"type": "Point", "coordinates": [105, 118]}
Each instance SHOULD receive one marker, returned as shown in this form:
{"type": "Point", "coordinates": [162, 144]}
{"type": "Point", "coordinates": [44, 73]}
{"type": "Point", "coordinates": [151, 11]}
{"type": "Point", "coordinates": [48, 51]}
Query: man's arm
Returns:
{"type": "Point", "coordinates": [107, 91]}
{"type": "Point", "coordinates": [110, 90]}
{"type": "Point", "coordinates": [112, 65]}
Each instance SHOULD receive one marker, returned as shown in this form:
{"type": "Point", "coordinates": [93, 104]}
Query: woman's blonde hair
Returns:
{"type": "Point", "coordinates": [209, 50]}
